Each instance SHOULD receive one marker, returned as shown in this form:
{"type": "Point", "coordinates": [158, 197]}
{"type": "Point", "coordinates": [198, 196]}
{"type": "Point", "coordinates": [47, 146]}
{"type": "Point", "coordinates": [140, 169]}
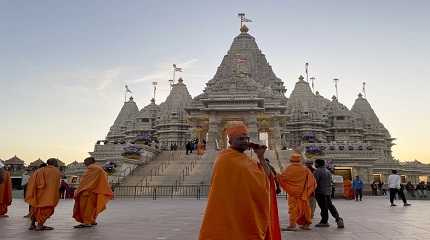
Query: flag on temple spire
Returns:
{"type": "Point", "coordinates": [127, 89]}
{"type": "Point", "coordinates": [177, 69]}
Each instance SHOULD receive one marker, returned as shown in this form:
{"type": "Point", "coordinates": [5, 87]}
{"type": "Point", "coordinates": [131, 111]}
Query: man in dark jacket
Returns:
{"type": "Point", "coordinates": [322, 195]}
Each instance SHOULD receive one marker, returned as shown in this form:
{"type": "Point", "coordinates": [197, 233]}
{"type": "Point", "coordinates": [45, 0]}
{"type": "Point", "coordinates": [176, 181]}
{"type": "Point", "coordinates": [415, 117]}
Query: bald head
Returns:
{"type": "Point", "coordinates": [89, 160]}
{"type": "Point", "coordinates": [52, 162]}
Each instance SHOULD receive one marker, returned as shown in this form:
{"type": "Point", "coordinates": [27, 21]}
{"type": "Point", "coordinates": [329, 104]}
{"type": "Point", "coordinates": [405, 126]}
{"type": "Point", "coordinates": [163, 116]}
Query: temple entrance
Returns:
{"type": "Point", "coordinates": [345, 172]}
{"type": "Point", "coordinates": [377, 177]}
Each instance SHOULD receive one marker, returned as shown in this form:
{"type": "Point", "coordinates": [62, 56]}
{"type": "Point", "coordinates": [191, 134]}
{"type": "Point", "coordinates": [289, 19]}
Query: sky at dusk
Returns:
{"type": "Point", "coordinates": [64, 64]}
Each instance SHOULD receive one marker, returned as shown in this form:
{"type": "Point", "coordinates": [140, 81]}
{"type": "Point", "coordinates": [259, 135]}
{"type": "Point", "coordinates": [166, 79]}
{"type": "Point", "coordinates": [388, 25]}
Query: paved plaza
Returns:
{"type": "Point", "coordinates": [180, 219]}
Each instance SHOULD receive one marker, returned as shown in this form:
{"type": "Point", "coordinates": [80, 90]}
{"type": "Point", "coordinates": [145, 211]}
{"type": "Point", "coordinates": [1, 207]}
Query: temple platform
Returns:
{"type": "Point", "coordinates": [179, 219]}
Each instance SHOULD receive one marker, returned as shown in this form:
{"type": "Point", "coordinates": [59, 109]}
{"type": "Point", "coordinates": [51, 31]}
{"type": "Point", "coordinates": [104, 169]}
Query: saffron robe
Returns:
{"type": "Point", "coordinates": [299, 183]}
{"type": "Point", "coordinates": [348, 193]}
{"type": "Point", "coordinates": [239, 200]}
{"type": "Point", "coordinates": [92, 195]}
{"type": "Point", "coordinates": [5, 193]}
{"type": "Point", "coordinates": [43, 193]}
{"type": "Point", "coordinates": [275, 228]}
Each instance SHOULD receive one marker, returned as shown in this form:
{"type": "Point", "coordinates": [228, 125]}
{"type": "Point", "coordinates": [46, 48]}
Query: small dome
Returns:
{"type": "Point", "coordinates": [244, 29]}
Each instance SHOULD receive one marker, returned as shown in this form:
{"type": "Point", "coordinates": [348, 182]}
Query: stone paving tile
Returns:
{"type": "Point", "coordinates": [180, 219]}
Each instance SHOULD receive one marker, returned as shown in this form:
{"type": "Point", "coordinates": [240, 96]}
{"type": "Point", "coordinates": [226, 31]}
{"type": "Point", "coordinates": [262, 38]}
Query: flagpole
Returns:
{"type": "Point", "coordinates": [364, 89]}
{"type": "Point", "coordinates": [335, 85]}
{"type": "Point", "coordinates": [174, 70]}
{"type": "Point", "coordinates": [242, 16]}
{"type": "Point", "coordinates": [125, 95]}
{"type": "Point", "coordinates": [312, 81]}
{"type": "Point", "coordinates": [306, 69]}
{"type": "Point", "coordinates": [155, 87]}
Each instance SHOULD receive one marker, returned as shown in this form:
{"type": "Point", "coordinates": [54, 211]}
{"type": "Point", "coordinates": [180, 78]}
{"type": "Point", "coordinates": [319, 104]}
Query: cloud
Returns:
{"type": "Point", "coordinates": [83, 84]}
{"type": "Point", "coordinates": [106, 78]}
{"type": "Point", "coordinates": [164, 72]}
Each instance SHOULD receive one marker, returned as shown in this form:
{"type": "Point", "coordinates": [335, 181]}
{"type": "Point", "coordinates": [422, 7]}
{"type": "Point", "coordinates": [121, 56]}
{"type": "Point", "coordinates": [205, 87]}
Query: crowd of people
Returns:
{"type": "Point", "coordinates": [43, 189]}
{"type": "Point", "coordinates": [195, 145]}
{"type": "Point", "coordinates": [420, 190]}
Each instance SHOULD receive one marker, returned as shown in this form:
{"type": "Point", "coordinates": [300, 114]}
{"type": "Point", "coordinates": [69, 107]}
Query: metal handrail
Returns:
{"type": "Point", "coordinates": [165, 191]}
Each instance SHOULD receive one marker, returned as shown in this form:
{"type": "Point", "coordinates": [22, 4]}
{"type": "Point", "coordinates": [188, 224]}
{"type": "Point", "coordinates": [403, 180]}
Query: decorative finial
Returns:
{"type": "Point", "coordinates": [244, 29]}
{"type": "Point", "coordinates": [131, 99]}
{"type": "Point", "coordinates": [317, 93]}
{"type": "Point", "coordinates": [360, 95]}
{"type": "Point", "coordinates": [152, 100]}
{"type": "Point", "coordinates": [180, 80]}
{"type": "Point", "coordinates": [301, 78]}
{"type": "Point", "coordinates": [334, 98]}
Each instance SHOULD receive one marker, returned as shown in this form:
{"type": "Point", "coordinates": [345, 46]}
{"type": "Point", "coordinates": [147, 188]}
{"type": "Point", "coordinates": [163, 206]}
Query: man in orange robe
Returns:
{"type": "Point", "coordinates": [43, 194]}
{"type": "Point", "coordinates": [200, 148]}
{"type": "Point", "coordinates": [92, 194]}
{"type": "Point", "coordinates": [299, 183]}
{"type": "Point", "coordinates": [5, 191]}
{"type": "Point", "coordinates": [239, 202]}
{"type": "Point", "coordinates": [347, 189]}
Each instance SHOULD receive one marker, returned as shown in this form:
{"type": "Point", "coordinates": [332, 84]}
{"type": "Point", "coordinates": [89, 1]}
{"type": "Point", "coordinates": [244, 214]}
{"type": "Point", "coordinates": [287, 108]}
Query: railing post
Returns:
{"type": "Point", "coordinates": [154, 193]}
{"type": "Point", "coordinates": [198, 192]}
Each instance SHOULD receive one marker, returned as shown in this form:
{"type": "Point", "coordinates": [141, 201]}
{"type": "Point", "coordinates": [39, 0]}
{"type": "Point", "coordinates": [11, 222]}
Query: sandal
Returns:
{"type": "Point", "coordinates": [290, 229]}
{"type": "Point", "coordinates": [43, 228]}
{"type": "Point", "coordinates": [83, 226]}
{"type": "Point", "coordinates": [305, 227]}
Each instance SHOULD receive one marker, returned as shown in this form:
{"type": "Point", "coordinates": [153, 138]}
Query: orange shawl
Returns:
{"type": "Point", "coordinates": [347, 189]}
{"type": "Point", "coordinates": [95, 181]}
{"type": "Point", "coordinates": [43, 187]}
{"type": "Point", "coordinates": [275, 228]}
{"type": "Point", "coordinates": [239, 200]}
{"type": "Point", "coordinates": [6, 190]}
{"type": "Point", "coordinates": [299, 182]}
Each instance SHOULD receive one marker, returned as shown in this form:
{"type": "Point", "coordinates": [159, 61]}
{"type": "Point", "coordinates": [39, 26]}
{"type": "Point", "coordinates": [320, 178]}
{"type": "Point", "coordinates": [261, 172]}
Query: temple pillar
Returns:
{"type": "Point", "coordinates": [212, 132]}
{"type": "Point", "coordinates": [276, 135]}
{"type": "Point", "coordinates": [270, 140]}
{"type": "Point", "coordinates": [252, 127]}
